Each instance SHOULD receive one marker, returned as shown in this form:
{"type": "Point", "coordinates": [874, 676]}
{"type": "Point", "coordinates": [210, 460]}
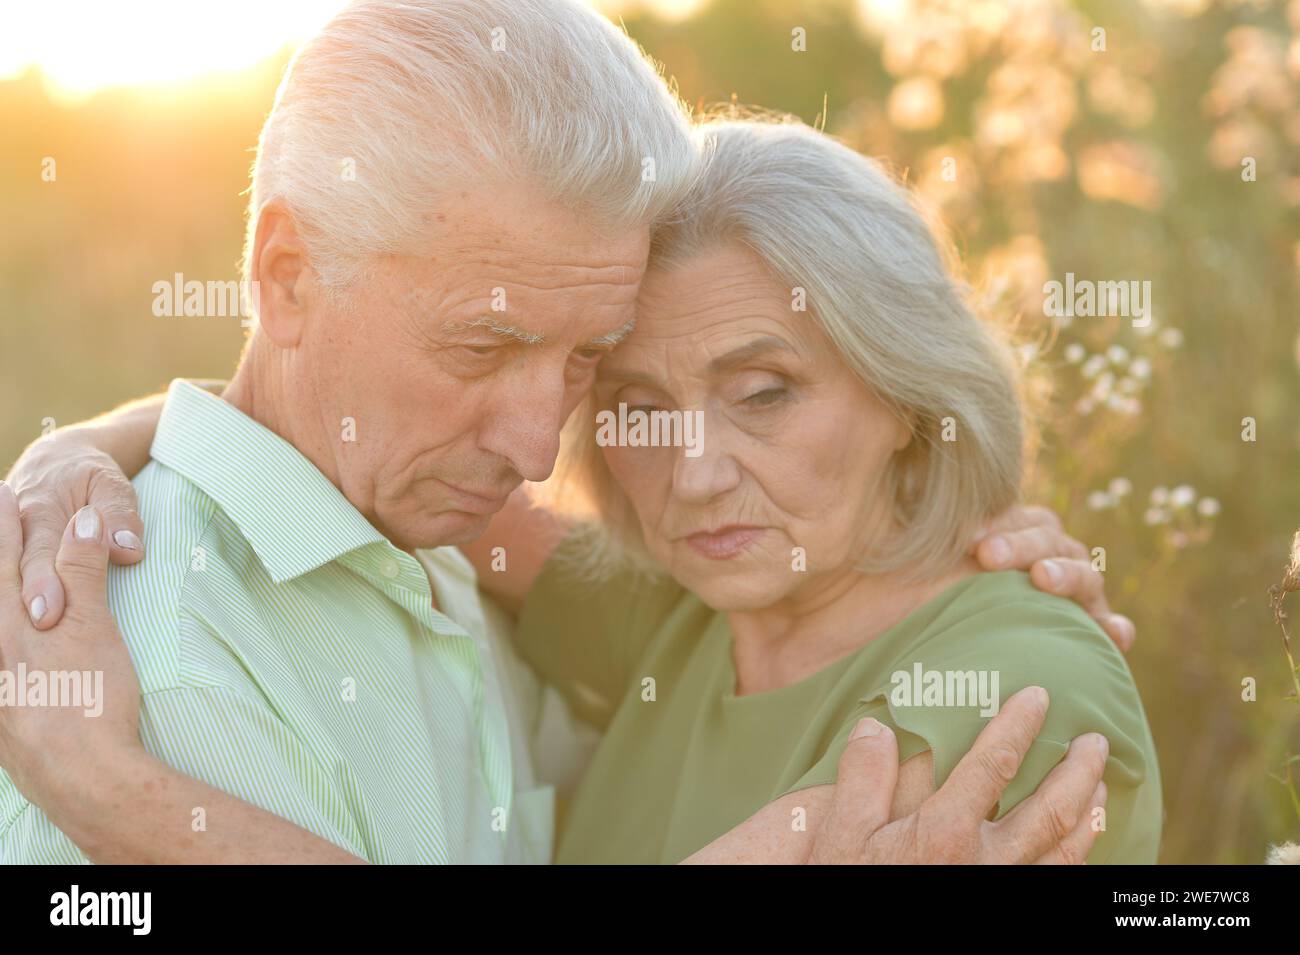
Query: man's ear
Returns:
{"type": "Point", "coordinates": [280, 269]}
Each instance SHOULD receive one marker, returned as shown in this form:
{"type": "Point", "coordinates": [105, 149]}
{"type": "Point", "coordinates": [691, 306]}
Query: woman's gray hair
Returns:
{"type": "Point", "coordinates": [394, 99]}
{"type": "Point", "coordinates": [881, 286]}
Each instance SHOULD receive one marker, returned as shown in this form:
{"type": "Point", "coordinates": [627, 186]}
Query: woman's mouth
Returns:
{"type": "Point", "coordinates": [725, 542]}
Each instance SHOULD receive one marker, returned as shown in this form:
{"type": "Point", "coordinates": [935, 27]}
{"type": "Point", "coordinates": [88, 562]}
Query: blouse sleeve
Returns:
{"type": "Point", "coordinates": [1049, 643]}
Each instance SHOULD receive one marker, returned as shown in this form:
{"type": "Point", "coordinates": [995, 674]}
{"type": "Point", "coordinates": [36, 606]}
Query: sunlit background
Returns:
{"type": "Point", "coordinates": [1125, 163]}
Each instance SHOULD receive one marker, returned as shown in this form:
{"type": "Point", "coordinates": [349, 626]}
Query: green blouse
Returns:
{"type": "Point", "coordinates": [683, 759]}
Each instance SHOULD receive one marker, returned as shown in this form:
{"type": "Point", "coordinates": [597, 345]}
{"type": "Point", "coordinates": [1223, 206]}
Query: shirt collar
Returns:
{"type": "Point", "coordinates": [290, 513]}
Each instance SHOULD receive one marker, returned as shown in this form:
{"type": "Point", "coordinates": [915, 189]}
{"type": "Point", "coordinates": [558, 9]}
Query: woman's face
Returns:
{"type": "Point", "coordinates": [793, 448]}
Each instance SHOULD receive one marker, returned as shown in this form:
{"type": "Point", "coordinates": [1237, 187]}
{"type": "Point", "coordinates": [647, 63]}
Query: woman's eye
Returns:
{"type": "Point", "coordinates": [768, 396]}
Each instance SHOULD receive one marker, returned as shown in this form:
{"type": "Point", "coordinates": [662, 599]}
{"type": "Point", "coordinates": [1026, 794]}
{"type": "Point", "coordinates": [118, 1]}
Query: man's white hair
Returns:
{"type": "Point", "coordinates": [393, 100]}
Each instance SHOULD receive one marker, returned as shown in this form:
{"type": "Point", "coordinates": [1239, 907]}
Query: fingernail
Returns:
{"type": "Point", "coordinates": [1038, 695]}
{"type": "Point", "coordinates": [85, 525]}
{"type": "Point", "coordinates": [868, 727]}
{"type": "Point", "coordinates": [999, 551]}
{"type": "Point", "coordinates": [1054, 573]}
{"type": "Point", "coordinates": [37, 609]}
{"type": "Point", "coordinates": [1099, 741]}
{"type": "Point", "coordinates": [126, 540]}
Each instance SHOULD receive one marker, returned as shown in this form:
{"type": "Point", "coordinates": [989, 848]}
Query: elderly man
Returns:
{"type": "Point", "coordinates": [448, 226]}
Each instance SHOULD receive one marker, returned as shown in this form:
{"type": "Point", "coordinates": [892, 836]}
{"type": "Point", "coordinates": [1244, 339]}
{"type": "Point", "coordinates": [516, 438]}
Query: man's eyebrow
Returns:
{"type": "Point", "coordinates": [614, 337]}
{"type": "Point", "coordinates": [497, 328]}
{"type": "Point", "coordinates": [748, 352]}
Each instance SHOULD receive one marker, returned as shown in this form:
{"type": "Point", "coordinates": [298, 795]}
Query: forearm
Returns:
{"type": "Point", "coordinates": [124, 434]}
{"type": "Point", "coordinates": [784, 832]}
{"type": "Point", "coordinates": [142, 811]}
{"type": "Point", "coordinates": [781, 833]}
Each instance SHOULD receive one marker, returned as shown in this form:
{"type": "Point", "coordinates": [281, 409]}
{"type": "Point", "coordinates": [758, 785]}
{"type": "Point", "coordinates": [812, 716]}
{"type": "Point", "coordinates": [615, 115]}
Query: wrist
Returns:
{"type": "Point", "coordinates": [89, 798]}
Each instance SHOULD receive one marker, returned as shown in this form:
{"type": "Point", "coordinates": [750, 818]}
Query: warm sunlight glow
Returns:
{"type": "Point", "coordinates": [82, 46]}
{"type": "Point", "coordinates": [85, 45]}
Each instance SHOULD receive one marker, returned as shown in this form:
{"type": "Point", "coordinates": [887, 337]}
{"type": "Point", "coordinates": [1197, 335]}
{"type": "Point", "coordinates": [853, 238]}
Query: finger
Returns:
{"type": "Point", "coordinates": [1074, 579]}
{"type": "Point", "coordinates": [114, 497]}
{"type": "Point", "coordinates": [1019, 549]}
{"type": "Point", "coordinates": [1120, 629]}
{"type": "Point", "coordinates": [1045, 818]}
{"type": "Point", "coordinates": [43, 521]}
{"type": "Point", "coordinates": [865, 780]}
{"type": "Point", "coordinates": [976, 783]}
{"type": "Point", "coordinates": [1078, 581]}
{"type": "Point", "coordinates": [11, 540]}
{"type": "Point", "coordinates": [1074, 848]}
{"type": "Point", "coordinates": [82, 562]}
{"type": "Point", "coordinates": [1018, 518]}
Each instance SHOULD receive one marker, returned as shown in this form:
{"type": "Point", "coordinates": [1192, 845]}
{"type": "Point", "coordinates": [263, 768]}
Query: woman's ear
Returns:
{"type": "Point", "coordinates": [905, 429]}
{"type": "Point", "coordinates": [280, 272]}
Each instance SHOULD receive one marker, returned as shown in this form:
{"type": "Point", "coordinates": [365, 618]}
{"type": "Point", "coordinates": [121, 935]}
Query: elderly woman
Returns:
{"type": "Point", "coordinates": [735, 613]}
{"type": "Point", "coordinates": [730, 617]}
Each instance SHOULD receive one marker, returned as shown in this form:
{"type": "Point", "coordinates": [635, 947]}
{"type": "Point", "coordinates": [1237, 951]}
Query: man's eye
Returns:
{"type": "Point", "coordinates": [479, 350]}
{"type": "Point", "coordinates": [589, 355]}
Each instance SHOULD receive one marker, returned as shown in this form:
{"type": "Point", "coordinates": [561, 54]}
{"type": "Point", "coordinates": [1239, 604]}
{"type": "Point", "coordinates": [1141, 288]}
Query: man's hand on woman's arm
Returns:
{"type": "Point", "coordinates": [865, 818]}
{"type": "Point", "coordinates": [1032, 539]}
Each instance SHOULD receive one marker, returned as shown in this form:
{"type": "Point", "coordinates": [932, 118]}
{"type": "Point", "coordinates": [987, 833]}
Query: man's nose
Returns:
{"type": "Point", "coordinates": [525, 425]}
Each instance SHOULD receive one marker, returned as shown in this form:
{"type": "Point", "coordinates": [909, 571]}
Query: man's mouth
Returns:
{"type": "Point", "coordinates": [484, 503]}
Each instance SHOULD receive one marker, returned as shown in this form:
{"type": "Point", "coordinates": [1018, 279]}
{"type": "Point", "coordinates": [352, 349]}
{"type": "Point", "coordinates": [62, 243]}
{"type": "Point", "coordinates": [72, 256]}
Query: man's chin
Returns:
{"type": "Point", "coordinates": [445, 529]}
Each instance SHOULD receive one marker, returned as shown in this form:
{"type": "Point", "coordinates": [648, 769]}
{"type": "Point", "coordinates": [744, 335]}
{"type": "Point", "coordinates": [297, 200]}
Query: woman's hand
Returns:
{"type": "Point", "coordinates": [81, 761]}
{"type": "Point", "coordinates": [51, 751]}
{"type": "Point", "coordinates": [1032, 539]}
{"type": "Point", "coordinates": [85, 464]}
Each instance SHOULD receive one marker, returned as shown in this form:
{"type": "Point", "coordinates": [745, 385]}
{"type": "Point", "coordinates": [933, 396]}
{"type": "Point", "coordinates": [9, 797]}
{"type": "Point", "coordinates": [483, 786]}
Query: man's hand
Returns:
{"type": "Point", "coordinates": [43, 747]}
{"type": "Point", "coordinates": [1032, 539]}
{"type": "Point", "coordinates": [54, 479]}
{"type": "Point", "coordinates": [1053, 826]}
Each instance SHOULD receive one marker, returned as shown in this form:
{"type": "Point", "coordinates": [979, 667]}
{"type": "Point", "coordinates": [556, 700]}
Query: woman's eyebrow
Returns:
{"type": "Point", "coordinates": [748, 352]}
{"type": "Point", "coordinates": [614, 337]}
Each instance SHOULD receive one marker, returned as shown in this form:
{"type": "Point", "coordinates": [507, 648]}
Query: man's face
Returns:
{"type": "Point", "coordinates": [460, 366]}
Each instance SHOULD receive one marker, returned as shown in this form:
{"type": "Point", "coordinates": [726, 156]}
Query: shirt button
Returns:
{"type": "Point", "coordinates": [389, 568]}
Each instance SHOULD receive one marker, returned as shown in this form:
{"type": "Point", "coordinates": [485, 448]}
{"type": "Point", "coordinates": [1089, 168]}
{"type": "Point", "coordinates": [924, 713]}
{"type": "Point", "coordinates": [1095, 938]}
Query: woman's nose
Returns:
{"type": "Point", "coordinates": [713, 471]}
